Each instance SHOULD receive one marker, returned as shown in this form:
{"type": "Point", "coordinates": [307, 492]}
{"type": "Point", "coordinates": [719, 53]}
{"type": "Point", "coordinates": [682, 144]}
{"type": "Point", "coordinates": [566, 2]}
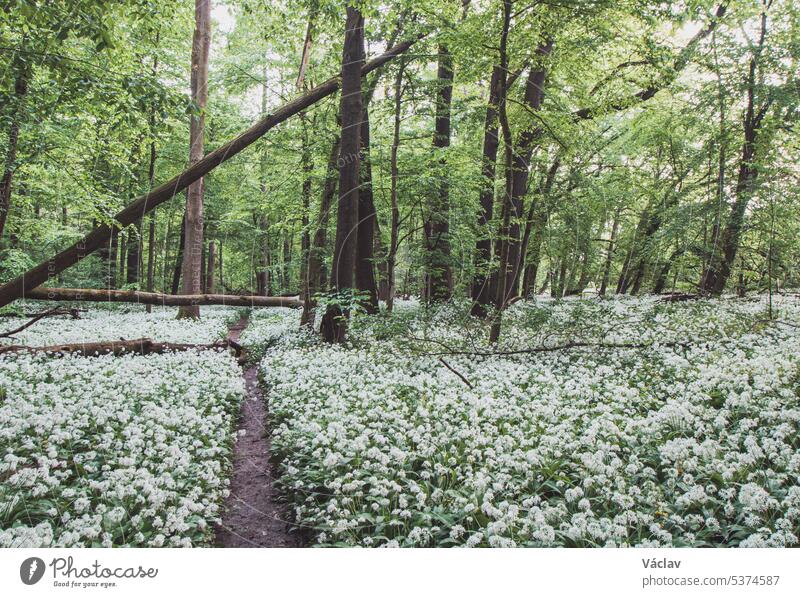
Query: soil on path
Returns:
{"type": "Point", "coordinates": [252, 515]}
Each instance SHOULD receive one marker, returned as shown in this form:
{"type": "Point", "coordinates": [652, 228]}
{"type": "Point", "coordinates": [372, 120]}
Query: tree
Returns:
{"type": "Point", "coordinates": [334, 323]}
{"type": "Point", "coordinates": [193, 245]}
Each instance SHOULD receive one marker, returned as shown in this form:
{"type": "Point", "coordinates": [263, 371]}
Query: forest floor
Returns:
{"type": "Point", "coordinates": [625, 421]}
{"type": "Point", "coordinates": [253, 517]}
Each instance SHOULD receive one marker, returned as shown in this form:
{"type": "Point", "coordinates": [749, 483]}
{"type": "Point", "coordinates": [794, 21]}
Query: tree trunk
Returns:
{"type": "Point", "coordinates": [212, 258]}
{"type": "Point", "coordinates": [193, 243]}
{"type": "Point", "coordinates": [176, 271]}
{"type": "Point", "coordinates": [133, 256]}
{"type": "Point", "coordinates": [535, 223]}
{"type": "Point", "coordinates": [610, 253]}
{"type": "Point", "coordinates": [520, 168]}
{"type": "Point", "coordinates": [439, 273]}
{"type": "Point", "coordinates": [367, 218]}
{"type": "Point", "coordinates": [720, 266]}
{"type": "Point", "coordinates": [394, 233]}
{"type": "Point", "coordinates": [481, 290]}
{"type": "Point", "coordinates": [20, 92]}
{"type": "Point", "coordinates": [334, 324]}
{"type": "Point", "coordinates": [317, 278]}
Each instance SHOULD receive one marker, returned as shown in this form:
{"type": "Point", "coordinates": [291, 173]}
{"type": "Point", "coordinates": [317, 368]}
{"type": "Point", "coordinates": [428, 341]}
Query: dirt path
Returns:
{"type": "Point", "coordinates": [253, 517]}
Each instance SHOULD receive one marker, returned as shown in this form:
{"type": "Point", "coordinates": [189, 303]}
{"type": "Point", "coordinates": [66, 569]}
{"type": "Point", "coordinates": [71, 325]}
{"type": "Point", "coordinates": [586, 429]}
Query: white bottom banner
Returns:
{"type": "Point", "coordinates": [265, 572]}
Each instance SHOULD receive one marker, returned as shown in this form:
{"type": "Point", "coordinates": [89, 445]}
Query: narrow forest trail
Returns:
{"type": "Point", "coordinates": [252, 515]}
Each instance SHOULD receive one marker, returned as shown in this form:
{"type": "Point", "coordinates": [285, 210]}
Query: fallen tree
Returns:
{"type": "Point", "coordinates": [22, 285]}
{"type": "Point", "coordinates": [141, 346]}
{"type": "Point", "coordinates": [156, 298]}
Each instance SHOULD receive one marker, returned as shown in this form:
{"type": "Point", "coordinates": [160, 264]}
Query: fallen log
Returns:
{"type": "Point", "coordinates": [22, 285]}
{"type": "Point", "coordinates": [155, 298]}
{"type": "Point", "coordinates": [141, 346]}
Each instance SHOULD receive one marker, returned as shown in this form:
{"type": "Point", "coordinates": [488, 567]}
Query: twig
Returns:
{"type": "Point", "coordinates": [464, 379]}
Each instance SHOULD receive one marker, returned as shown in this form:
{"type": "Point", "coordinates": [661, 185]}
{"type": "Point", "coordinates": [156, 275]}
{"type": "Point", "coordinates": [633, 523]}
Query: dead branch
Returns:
{"type": "Point", "coordinates": [461, 377]}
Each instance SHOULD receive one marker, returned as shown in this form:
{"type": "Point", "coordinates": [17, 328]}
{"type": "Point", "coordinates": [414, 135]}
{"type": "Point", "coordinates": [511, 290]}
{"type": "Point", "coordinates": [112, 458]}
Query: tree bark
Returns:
{"type": "Point", "coordinates": [20, 92]}
{"type": "Point", "coordinates": [481, 289]}
{"type": "Point", "coordinates": [439, 272]}
{"type": "Point", "coordinates": [394, 232]}
{"type": "Point", "coordinates": [334, 323]}
{"type": "Point", "coordinates": [367, 218]}
{"type": "Point", "coordinates": [212, 259]}
{"type": "Point", "coordinates": [191, 267]}
{"type": "Point", "coordinates": [317, 278]}
{"type": "Point", "coordinates": [610, 253]}
{"type": "Point", "coordinates": [38, 275]}
{"type": "Point", "coordinates": [176, 271]}
{"type": "Point", "coordinates": [715, 278]}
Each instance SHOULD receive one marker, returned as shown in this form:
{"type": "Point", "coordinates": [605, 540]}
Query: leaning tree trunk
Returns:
{"type": "Point", "coordinates": [439, 273]}
{"type": "Point", "coordinates": [193, 244]}
{"type": "Point", "coordinates": [334, 323]}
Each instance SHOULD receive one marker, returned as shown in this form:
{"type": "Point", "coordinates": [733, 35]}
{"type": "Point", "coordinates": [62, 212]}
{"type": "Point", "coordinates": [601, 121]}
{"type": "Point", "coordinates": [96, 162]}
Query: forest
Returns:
{"type": "Point", "coordinates": [484, 273]}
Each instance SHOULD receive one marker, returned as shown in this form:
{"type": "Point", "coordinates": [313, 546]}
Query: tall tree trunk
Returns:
{"type": "Point", "coordinates": [610, 253]}
{"type": "Point", "coordinates": [334, 324]}
{"type": "Point", "coordinates": [720, 266]}
{"type": "Point", "coordinates": [176, 271]}
{"type": "Point", "coordinates": [193, 244]}
{"type": "Point", "coordinates": [123, 254]}
{"type": "Point", "coordinates": [394, 232]}
{"type": "Point", "coordinates": [317, 278]}
{"type": "Point", "coordinates": [133, 258]}
{"type": "Point", "coordinates": [111, 267]}
{"type": "Point", "coordinates": [520, 172]}
{"type": "Point", "coordinates": [20, 92]}
{"type": "Point", "coordinates": [151, 179]}
{"type": "Point", "coordinates": [263, 281]}
{"type": "Point", "coordinates": [212, 258]}
{"type": "Point", "coordinates": [534, 224]}
{"type": "Point", "coordinates": [367, 218]}
{"type": "Point", "coordinates": [481, 289]}
{"type": "Point", "coordinates": [439, 272]}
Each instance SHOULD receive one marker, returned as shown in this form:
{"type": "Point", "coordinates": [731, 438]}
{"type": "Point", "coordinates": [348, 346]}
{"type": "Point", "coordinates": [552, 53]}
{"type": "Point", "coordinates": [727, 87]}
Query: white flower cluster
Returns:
{"type": "Point", "coordinates": [108, 451]}
{"type": "Point", "coordinates": [268, 327]}
{"type": "Point", "coordinates": [688, 444]}
{"type": "Point", "coordinates": [97, 325]}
